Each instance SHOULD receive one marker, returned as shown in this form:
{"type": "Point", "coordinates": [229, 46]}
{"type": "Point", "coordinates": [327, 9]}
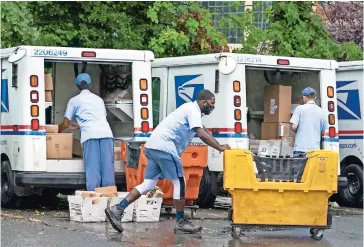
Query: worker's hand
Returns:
{"type": "Point", "coordinates": [73, 126]}
{"type": "Point", "coordinates": [224, 147]}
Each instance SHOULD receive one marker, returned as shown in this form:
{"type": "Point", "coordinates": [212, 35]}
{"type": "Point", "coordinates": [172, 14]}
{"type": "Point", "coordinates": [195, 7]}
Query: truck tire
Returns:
{"type": "Point", "coordinates": [205, 197]}
{"type": "Point", "coordinates": [8, 197]}
{"type": "Point", "coordinates": [352, 195]}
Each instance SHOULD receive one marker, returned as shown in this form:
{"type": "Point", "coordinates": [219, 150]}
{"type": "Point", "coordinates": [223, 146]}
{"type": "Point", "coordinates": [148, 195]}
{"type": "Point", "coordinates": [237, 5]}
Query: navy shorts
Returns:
{"type": "Point", "coordinates": [162, 165]}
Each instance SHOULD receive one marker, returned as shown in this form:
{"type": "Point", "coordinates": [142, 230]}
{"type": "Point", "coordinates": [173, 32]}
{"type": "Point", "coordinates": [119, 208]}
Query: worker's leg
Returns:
{"type": "Point", "coordinates": [91, 159]}
{"type": "Point", "coordinates": [107, 162]}
{"type": "Point", "coordinates": [151, 176]}
{"type": "Point", "coordinates": [179, 190]}
{"type": "Point", "coordinates": [172, 169]}
{"type": "Point", "coordinates": [152, 173]}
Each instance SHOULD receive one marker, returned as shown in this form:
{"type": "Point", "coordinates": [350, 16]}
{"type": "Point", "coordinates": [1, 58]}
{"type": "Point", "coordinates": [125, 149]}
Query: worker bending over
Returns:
{"type": "Point", "coordinates": [163, 149]}
{"type": "Point", "coordinates": [96, 136]}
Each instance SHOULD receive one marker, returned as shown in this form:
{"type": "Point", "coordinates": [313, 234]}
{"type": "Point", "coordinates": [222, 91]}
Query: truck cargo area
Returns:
{"type": "Point", "coordinates": [113, 83]}
{"type": "Point", "coordinates": [265, 116]}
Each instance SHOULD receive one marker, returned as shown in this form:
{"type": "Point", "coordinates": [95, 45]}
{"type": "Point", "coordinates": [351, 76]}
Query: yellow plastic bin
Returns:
{"type": "Point", "coordinates": [264, 200]}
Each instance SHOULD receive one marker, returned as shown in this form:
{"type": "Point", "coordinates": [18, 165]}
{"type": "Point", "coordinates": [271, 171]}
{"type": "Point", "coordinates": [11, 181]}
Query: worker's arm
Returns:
{"type": "Point", "coordinates": [195, 123]}
{"type": "Point", "coordinates": [213, 139]}
{"type": "Point", "coordinates": [207, 138]}
{"type": "Point", "coordinates": [68, 116]}
{"type": "Point", "coordinates": [295, 119]}
{"type": "Point", "coordinates": [64, 125]}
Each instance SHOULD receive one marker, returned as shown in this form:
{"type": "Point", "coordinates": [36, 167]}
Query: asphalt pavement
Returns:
{"type": "Point", "coordinates": [45, 227]}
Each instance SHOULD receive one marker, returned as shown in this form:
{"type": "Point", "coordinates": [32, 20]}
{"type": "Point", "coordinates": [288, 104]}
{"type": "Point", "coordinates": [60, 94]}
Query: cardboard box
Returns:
{"type": "Point", "coordinates": [77, 148]}
{"type": "Point", "coordinates": [276, 131]}
{"type": "Point", "coordinates": [108, 194]}
{"type": "Point", "coordinates": [287, 148]}
{"type": "Point", "coordinates": [50, 128]}
{"type": "Point", "coordinates": [48, 82]}
{"type": "Point", "coordinates": [277, 103]}
{"type": "Point", "coordinates": [59, 146]}
{"type": "Point", "coordinates": [48, 96]}
{"type": "Point", "coordinates": [117, 153]}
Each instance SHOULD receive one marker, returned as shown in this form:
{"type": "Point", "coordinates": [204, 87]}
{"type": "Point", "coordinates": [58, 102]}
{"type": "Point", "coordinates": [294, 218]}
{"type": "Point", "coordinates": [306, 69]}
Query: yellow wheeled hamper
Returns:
{"type": "Point", "coordinates": [288, 192]}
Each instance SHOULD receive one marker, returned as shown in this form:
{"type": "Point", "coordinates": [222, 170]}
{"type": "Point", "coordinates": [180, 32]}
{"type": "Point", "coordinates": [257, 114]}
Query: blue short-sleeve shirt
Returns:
{"type": "Point", "coordinates": [175, 132]}
{"type": "Point", "coordinates": [90, 113]}
{"type": "Point", "coordinates": [311, 123]}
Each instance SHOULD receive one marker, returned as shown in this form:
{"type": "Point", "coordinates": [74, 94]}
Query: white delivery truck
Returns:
{"type": "Point", "coordinates": [350, 104]}
{"type": "Point", "coordinates": [121, 77]}
{"type": "Point", "coordinates": [238, 82]}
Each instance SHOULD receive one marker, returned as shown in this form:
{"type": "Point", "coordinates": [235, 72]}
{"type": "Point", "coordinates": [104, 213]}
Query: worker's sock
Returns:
{"type": "Point", "coordinates": [180, 215]}
{"type": "Point", "coordinates": [124, 204]}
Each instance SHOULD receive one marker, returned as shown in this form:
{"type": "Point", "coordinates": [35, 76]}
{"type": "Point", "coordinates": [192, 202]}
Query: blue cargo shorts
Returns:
{"type": "Point", "coordinates": [162, 165]}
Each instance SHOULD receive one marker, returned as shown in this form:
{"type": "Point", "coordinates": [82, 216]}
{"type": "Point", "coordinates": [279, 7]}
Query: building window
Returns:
{"type": "Point", "coordinates": [220, 9]}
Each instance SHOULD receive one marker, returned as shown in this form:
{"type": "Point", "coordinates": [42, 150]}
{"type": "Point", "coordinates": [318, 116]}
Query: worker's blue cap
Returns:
{"type": "Point", "coordinates": [308, 91]}
{"type": "Point", "coordinates": [83, 77]}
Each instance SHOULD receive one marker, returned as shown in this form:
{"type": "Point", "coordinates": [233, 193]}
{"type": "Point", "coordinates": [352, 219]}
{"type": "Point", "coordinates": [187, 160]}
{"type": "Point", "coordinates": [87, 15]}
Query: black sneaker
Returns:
{"type": "Point", "coordinates": [114, 214]}
{"type": "Point", "coordinates": [186, 226]}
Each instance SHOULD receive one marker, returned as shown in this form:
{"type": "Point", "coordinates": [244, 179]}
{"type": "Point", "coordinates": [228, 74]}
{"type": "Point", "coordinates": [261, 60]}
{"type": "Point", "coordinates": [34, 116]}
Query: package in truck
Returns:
{"type": "Point", "coordinates": [118, 95]}
{"type": "Point", "coordinates": [51, 128]}
{"type": "Point", "coordinates": [48, 96]}
{"type": "Point", "coordinates": [48, 82]}
{"type": "Point", "coordinates": [77, 148]}
{"type": "Point", "coordinates": [277, 103]}
{"type": "Point", "coordinates": [59, 145]}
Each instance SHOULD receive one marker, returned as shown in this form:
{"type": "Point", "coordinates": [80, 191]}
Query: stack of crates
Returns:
{"type": "Point", "coordinates": [194, 160]}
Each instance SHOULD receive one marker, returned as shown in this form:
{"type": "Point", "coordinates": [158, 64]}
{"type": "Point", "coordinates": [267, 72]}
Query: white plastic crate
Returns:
{"type": "Point", "coordinates": [147, 209]}
{"type": "Point", "coordinates": [128, 215]}
{"type": "Point", "coordinates": [87, 209]}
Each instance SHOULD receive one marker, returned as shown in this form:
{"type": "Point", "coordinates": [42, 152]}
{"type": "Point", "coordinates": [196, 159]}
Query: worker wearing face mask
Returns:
{"type": "Point", "coordinates": [163, 149]}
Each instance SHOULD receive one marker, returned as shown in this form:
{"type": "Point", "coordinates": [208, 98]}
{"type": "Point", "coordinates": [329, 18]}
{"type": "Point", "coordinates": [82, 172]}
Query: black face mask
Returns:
{"type": "Point", "coordinates": [207, 109]}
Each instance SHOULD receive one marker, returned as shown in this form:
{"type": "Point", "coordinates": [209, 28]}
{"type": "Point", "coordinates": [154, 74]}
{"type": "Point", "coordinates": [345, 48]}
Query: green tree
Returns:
{"type": "Point", "coordinates": [17, 26]}
{"type": "Point", "coordinates": [183, 29]}
{"type": "Point", "coordinates": [294, 30]}
{"type": "Point", "coordinates": [167, 28]}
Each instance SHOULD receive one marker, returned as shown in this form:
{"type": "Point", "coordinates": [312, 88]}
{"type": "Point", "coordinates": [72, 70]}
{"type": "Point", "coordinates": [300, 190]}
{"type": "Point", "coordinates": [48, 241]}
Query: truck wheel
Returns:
{"type": "Point", "coordinates": [205, 197]}
{"type": "Point", "coordinates": [8, 196]}
{"type": "Point", "coordinates": [352, 195]}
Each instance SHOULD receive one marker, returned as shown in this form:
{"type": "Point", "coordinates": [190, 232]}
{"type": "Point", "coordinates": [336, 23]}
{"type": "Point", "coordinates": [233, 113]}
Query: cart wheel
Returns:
{"type": "Point", "coordinates": [236, 232]}
{"type": "Point", "coordinates": [230, 214]}
{"type": "Point", "coordinates": [317, 234]}
{"type": "Point", "coordinates": [168, 210]}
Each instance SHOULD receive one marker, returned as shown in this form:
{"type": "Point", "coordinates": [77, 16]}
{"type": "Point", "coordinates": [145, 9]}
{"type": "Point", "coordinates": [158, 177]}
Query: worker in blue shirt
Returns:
{"type": "Point", "coordinates": [96, 137]}
{"type": "Point", "coordinates": [309, 123]}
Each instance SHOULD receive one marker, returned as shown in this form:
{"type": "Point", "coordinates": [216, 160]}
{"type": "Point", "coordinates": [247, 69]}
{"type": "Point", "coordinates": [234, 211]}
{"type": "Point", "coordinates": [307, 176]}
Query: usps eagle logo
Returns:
{"type": "Point", "coordinates": [187, 88]}
{"type": "Point", "coordinates": [4, 92]}
{"type": "Point", "coordinates": [348, 100]}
